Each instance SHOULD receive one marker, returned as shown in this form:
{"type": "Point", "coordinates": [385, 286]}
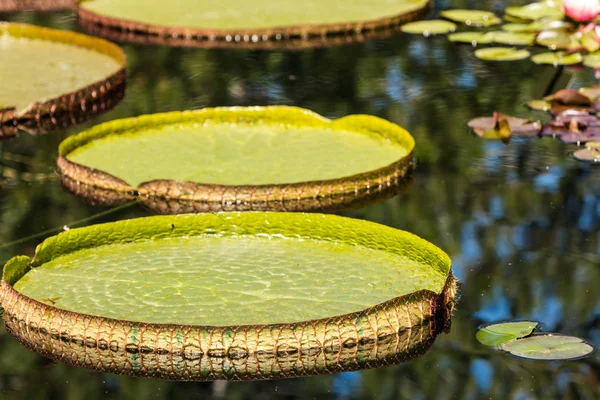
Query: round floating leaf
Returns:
{"type": "Point", "coordinates": [502, 54]}
{"type": "Point", "coordinates": [535, 11]}
{"type": "Point", "coordinates": [512, 38]}
{"type": "Point", "coordinates": [548, 347]}
{"type": "Point", "coordinates": [592, 92]}
{"type": "Point", "coordinates": [473, 38]}
{"type": "Point", "coordinates": [245, 22]}
{"type": "Point", "coordinates": [472, 17]}
{"type": "Point", "coordinates": [242, 159]}
{"type": "Point", "coordinates": [592, 60]}
{"type": "Point", "coordinates": [502, 127]}
{"type": "Point", "coordinates": [229, 295]}
{"type": "Point", "coordinates": [431, 27]}
{"type": "Point", "coordinates": [532, 27]}
{"type": "Point", "coordinates": [43, 70]}
{"type": "Point", "coordinates": [590, 153]}
{"type": "Point", "coordinates": [557, 40]}
{"type": "Point", "coordinates": [495, 334]}
{"type": "Point", "coordinates": [558, 58]}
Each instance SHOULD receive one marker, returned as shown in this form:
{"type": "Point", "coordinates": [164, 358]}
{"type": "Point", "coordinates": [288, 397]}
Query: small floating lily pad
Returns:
{"type": "Point", "coordinates": [503, 127]}
{"type": "Point", "coordinates": [558, 58]}
{"type": "Point", "coordinates": [52, 79]}
{"type": "Point", "coordinates": [430, 27]}
{"type": "Point", "coordinates": [229, 295]}
{"type": "Point", "coordinates": [548, 347]}
{"type": "Point", "coordinates": [592, 60]}
{"type": "Point", "coordinates": [556, 40]}
{"type": "Point", "coordinates": [591, 152]}
{"type": "Point", "coordinates": [238, 21]}
{"type": "Point", "coordinates": [512, 38]}
{"type": "Point", "coordinates": [495, 334]}
{"type": "Point", "coordinates": [535, 11]}
{"type": "Point", "coordinates": [502, 54]}
{"type": "Point", "coordinates": [255, 158]}
{"type": "Point", "coordinates": [472, 17]}
{"type": "Point", "coordinates": [473, 38]}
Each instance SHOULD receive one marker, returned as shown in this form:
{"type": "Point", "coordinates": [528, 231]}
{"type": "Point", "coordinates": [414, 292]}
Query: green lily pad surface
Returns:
{"type": "Point", "coordinates": [548, 347]}
{"type": "Point", "coordinates": [558, 58]}
{"type": "Point", "coordinates": [430, 27]}
{"type": "Point", "coordinates": [535, 11]}
{"type": "Point", "coordinates": [248, 150]}
{"type": "Point", "coordinates": [232, 279]}
{"type": "Point", "coordinates": [472, 17]}
{"type": "Point", "coordinates": [241, 15]}
{"type": "Point", "coordinates": [502, 54]}
{"type": "Point", "coordinates": [473, 38]}
{"type": "Point", "coordinates": [495, 334]}
{"type": "Point", "coordinates": [41, 66]}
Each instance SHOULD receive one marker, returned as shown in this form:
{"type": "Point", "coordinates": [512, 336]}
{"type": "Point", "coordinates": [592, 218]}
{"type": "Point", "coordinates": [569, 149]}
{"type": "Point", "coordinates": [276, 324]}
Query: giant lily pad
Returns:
{"type": "Point", "coordinates": [548, 347]}
{"type": "Point", "coordinates": [239, 21]}
{"type": "Point", "coordinates": [257, 158]}
{"type": "Point", "coordinates": [54, 78]}
{"type": "Point", "coordinates": [229, 295]}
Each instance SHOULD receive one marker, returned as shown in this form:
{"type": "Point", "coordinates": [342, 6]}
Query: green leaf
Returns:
{"type": "Point", "coordinates": [430, 27]}
{"type": "Point", "coordinates": [231, 269]}
{"type": "Point", "coordinates": [473, 38]}
{"type": "Point", "coordinates": [548, 347]}
{"type": "Point", "coordinates": [592, 60]}
{"type": "Point", "coordinates": [557, 40]}
{"type": "Point", "coordinates": [512, 38]}
{"type": "Point", "coordinates": [535, 11]}
{"type": "Point", "coordinates": [501, 54]}
{"type": "Point", "coordinates": [495, 334]}
{"type": "Point", "coordinates": [539, 105]}
{"type": "Point", "coordinates": [558, 58]}
{"type": "Point", "coordinates": [472, 17]}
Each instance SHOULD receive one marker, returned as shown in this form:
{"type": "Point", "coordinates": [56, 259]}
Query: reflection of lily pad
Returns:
{"type": "Point", "coordinates": [87, 76]}
{"type": "Point", "coordinates": [502, 54]}
{"type": "Point", "coordinates": [233, 158]}
{"type": "Point", "coordinates": [430, 27]}
{"type": "Point", "coordinates": [535, 11]}
{"type": "Point", "coordinates": [558, 58]}
{"type": "Point", "coordinates": [472, 17]}
{"type": "Point", "coordinates": [548, 347]}
{"type": "Point", "coordinates": [473, 38]}
{"type": "Point", "coordinates": [591, 152]}
{"type": "Point", "coordinates": [242, 295]}
{"type": "Point", "coordinates": [239, 21]}
{"type": "Point", "coordinates": [495, 334]}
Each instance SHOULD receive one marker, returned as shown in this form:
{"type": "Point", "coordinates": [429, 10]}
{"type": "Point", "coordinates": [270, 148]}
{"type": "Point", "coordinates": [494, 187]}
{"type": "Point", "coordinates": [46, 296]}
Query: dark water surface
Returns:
{"type": "Point", "coordinates": [521, 222]}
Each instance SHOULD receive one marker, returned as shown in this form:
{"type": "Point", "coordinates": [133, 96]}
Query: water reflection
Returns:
{"type": "Point", "coordinates": [521, 222]}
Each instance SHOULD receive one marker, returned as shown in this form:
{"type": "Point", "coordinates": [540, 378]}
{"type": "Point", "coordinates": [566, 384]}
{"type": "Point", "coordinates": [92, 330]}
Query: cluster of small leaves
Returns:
{"type": "Point", "coordinates": [576, 120]}
{"type": "Point", "coordinates": [520, 340]}
{"type": "Point", "coordinates": [542, 24]}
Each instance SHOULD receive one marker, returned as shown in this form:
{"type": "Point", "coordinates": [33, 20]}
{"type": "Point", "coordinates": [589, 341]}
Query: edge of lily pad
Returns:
{"type": "Point", "coordinates": [70, 108]}
{"type": "Point", "coordinates": [177, 197]}
{"type": "Point", "coordinates": [391, 332]}
{"type": "Point", "coordinates": [92, 21]}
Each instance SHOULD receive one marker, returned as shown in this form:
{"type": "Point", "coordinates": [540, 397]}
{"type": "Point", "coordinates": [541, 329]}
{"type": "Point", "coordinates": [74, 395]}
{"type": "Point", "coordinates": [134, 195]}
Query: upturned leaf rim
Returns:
{"type": "Point", "coordinates": [192, 352]}
{"type": "Point", "coordinates": [176, 197]}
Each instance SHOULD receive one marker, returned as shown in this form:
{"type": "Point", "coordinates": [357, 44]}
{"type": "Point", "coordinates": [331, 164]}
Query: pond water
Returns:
{"type": "Point", "coordinates": [520, 221]}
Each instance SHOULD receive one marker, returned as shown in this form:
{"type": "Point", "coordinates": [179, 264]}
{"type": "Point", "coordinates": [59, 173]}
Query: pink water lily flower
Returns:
{"type": "Point", "coordinates": [582, 10]}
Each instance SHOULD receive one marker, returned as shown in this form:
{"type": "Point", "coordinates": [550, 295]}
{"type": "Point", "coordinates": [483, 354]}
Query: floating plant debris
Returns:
{"type": "Point", "coordinates": [519, 340]}
{"type": "Point", "coordinates": [495, 334]}
{"type": "Point", "coordinates": [503, 127]}
{"type": "Point", "coordinates": [104, 297]}
{"type": "Point", "coordinates": [430, 27]}
{"type": "Point", "coordinates": [502, 54]}
{"type": "Point", "coordinates": [472, 17]}
{"type": "Point", "coordinates": [548, 347]}
{"type": "Point", "coordinates": [236, 21]}
{"type": "Point", "coordinates": [230, 159]}
{"type": "Point", "coordinates": [87, 75]}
